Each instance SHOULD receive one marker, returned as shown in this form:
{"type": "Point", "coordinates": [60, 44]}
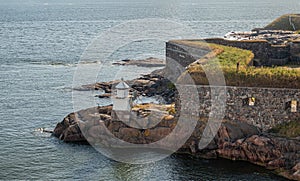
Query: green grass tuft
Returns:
{"type": "Point", "coordinates": [290, 129]}
{"type": "Point", "coordinates": [226, 59]}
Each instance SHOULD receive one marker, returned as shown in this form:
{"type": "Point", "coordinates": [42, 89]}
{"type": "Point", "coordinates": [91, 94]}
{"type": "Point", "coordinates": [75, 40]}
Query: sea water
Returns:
{"type": "Point", "coordinates": [41, 43]}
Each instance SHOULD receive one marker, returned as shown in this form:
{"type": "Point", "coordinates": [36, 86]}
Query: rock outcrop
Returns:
{"type": "Point", "coordinates": [147, 85]}
{"type": "Point", "coordinates": [234, 140]}
{"type": "Point", "coordinates": [279, 154]}
{"type": "Point", "coordinates": [148, 62]}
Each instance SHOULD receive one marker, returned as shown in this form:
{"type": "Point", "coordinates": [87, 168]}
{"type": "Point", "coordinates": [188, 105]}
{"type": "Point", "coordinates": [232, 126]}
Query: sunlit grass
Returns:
{"type": "Point", "coordinates": [225, 58]}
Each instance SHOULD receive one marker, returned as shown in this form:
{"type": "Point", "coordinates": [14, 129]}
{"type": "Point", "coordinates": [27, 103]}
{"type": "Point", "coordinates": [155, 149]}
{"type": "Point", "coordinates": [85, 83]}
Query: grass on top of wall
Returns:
{"type": "Point", "coordinates": [224, 59]}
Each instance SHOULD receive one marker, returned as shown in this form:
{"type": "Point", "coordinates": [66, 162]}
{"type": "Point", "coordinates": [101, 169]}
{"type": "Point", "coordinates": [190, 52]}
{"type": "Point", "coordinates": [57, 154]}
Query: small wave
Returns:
{"type": "Point", "coordinates": [42, 132]}
{"type": "Point", "coordinates": [88, 62]}
{"type": "Point", "coordinates": [63, 88]}
{"type": "Point", "coordinates": [74, 64]}
{"type": "Point", "coordinates": [52, 63]}
{"type": "Point", "coordinates": [61, 64]}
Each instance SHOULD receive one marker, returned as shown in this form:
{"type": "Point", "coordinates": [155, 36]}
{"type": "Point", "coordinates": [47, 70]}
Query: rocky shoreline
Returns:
{"type": "Point", "coordinates": [235, 140]}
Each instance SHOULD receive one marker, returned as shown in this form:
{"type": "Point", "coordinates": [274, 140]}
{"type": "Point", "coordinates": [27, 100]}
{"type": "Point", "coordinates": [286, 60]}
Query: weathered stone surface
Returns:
{"type": "Point", "coordinates": [61, 127]}
{"type": "Point", "coordinates": [267, 54]}
{"type": "Point", "coordinates": [296, 170]}
{"type": "Point", "coordinates": [158, 133]}
{"type": "Point", "coordinates": [271, 107]}
{"type": "Point", "coordinates": [130, 135]}
{"type": "Point", "coordinates": [234, 140]}
{"type": "Point", "coordinates": [239, 137]}
{"type": "Point", "coordinates": [275, 153]}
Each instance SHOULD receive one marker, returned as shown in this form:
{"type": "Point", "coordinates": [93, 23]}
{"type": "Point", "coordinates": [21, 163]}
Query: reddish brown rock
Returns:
{"type": "Point", "coordinates": [234, 140]}
{"type": "Point", "coordinates": [158, 133]}
{"type": "Point", "coordinates": [130, 135]}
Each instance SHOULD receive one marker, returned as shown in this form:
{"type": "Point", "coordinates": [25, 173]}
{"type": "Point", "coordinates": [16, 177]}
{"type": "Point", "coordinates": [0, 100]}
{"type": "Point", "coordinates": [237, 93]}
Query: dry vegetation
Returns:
{"type": "Point", "coordinates": [283, 23]}
{"type": "Point", "coordinates": [290, 129]}
{"type": "Point", "coordinates": [226, 58]}
{"type": "Point", "coordinates": [170, 109]}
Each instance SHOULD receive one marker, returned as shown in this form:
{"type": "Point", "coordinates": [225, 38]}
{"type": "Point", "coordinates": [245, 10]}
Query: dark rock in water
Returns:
{"type": "Point", "coordinates": [148, 85]}
{"type": "Point", "coordinates": [69, 131]}
{"type": "Point", "coordinates": [279, 154]}
{"type": "Point", "coordinates": [106, 95]}
{"type": "Point", "coordinates": [149, 62]}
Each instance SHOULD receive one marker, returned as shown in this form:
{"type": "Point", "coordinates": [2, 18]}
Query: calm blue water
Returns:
{"type": "Point", "coordinates": [40, 44]}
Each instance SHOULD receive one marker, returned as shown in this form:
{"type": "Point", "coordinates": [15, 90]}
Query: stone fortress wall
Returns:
{"type": "Point", "coordinates": [270, 107]}
{"type": "Point", "coordinates": [261, 107]}
{"type": "Point", "coordinates": [265, 53]}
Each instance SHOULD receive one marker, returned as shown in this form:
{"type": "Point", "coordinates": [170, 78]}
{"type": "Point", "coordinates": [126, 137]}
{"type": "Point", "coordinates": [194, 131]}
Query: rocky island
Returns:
{"type": "Point", "coordinates": [261, 121]}
{"type": "Point", "coordinates": [149, 62]}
